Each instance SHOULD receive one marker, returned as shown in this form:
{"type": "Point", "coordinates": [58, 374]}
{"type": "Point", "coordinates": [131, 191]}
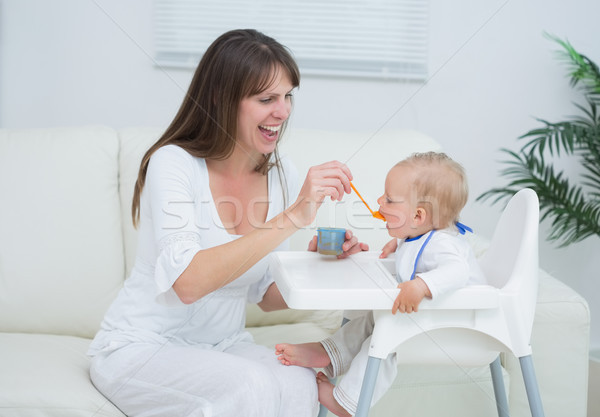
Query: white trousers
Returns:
{"type": "Point", "coordinates": [145, 380]}
{"type": "Point", "coordinates": [348, 350]}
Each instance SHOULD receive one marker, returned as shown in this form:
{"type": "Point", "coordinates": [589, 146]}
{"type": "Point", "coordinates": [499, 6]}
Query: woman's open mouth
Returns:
{"type": "Point", "coordinates": [270, 131]}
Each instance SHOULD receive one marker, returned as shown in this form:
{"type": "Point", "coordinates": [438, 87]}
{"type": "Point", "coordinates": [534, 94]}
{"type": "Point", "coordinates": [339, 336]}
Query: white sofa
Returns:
{"type": "Point", "coordinates": [67, 244]}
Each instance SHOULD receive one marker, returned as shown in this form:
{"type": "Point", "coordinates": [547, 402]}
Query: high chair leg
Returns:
{"type": "Point", "coordinates": [368, 386]}
{"type": "Point", "coordinates": [499, 389]}
{"type": "Point", "coordinates": [531, 386]}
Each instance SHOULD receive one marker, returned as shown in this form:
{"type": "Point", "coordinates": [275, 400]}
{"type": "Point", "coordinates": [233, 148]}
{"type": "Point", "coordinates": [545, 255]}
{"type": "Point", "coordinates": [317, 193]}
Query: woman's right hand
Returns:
{"type": "Point", "coordinates": [331, 179]}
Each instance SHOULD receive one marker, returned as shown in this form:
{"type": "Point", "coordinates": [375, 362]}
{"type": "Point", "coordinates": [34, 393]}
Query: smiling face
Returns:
{"type": "Point", "coordinates": [262, 115]}
{"type": "Point", "coordinates": [404, 217]}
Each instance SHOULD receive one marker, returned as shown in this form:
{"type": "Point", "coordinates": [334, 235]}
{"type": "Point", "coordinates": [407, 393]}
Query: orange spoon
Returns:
{"type": "Point", "coordinates": [375, 214]}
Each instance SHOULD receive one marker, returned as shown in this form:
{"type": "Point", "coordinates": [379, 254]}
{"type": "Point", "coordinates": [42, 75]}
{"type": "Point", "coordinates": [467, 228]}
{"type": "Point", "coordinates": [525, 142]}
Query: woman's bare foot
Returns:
{"type": "Point", "coordinates": [326, 396]}
{"type": "Point", "coordinates": [309, 355]}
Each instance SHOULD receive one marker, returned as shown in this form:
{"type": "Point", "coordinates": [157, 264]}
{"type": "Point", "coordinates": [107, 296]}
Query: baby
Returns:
{"type": "Point", "coordinates": [424, 195]}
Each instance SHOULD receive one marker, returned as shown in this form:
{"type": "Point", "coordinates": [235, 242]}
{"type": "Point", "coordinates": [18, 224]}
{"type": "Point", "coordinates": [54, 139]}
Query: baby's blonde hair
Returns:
{"type": "Point", "coordinates": [439, 183]}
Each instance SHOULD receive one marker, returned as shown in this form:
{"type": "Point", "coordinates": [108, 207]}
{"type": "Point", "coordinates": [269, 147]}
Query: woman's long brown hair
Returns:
{"type": "Point", "coordinates": [238, 64]}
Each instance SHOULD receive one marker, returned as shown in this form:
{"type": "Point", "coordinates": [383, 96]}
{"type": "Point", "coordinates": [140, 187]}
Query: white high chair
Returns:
{"type": "Point", "coordinates": [473, 325]}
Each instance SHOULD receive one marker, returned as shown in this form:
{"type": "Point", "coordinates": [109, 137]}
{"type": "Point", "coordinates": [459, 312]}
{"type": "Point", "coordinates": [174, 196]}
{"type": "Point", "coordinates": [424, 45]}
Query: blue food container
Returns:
{"type": "Point", "coordinates": [330, 240]}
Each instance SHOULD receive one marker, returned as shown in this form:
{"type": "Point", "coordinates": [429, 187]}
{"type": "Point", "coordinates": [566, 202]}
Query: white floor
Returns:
{"type": "Point", "coordinates": [594, 385]}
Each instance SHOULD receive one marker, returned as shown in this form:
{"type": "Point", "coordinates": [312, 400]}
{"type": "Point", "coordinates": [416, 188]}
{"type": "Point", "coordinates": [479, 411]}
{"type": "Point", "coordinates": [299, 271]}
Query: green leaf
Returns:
{"type": "Point", "coordinates": [571, 205]}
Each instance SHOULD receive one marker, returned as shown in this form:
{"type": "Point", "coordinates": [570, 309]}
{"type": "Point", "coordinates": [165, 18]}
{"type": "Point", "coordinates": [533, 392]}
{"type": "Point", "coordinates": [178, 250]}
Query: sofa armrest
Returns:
{"type": "Point", "coordinates": [560, 344]}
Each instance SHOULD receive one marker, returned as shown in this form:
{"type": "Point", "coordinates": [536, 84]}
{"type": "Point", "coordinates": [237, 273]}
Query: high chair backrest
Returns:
{"type": "Point", "coordinates": [511, 261]}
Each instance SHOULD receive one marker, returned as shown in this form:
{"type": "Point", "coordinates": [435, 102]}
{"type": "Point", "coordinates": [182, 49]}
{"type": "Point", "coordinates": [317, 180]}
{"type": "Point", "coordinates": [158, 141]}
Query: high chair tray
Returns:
{"type": "Point", "coordinates": [309, 280]}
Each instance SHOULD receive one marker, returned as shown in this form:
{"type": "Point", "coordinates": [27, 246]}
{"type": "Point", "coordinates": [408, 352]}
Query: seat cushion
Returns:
{"type": "Point", "coordinates": [48, 376]}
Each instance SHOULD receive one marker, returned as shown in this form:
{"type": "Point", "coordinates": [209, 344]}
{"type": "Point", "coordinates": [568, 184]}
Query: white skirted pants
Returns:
{"type": "Point", "coordinates": [246, 379]}
{"type": "Point", "coordinates": [348, 350]}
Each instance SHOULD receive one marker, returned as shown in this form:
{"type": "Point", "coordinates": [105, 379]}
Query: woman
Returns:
{"type": "Point", "coordinates": [212, 199]}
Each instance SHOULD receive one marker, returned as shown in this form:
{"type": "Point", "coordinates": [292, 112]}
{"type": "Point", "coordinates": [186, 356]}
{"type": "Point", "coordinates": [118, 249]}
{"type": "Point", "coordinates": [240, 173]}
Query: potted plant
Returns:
{"type": "Point", "coordinates": [570, 201]}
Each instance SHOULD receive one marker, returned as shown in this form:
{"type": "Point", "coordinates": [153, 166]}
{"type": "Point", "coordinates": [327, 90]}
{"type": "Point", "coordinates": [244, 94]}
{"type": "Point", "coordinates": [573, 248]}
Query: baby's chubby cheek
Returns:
{"type": "Point", "coordinates": [393, 231]}
{"type": "Point", "coordinates": [395, 221]}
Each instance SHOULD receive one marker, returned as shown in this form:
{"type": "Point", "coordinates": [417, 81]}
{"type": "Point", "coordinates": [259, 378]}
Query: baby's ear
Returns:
{"type": "Point", "coordinates": [420, 216]}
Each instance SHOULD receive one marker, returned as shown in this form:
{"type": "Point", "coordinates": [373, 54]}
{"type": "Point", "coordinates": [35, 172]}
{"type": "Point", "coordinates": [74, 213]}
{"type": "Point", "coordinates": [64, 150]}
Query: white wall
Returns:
{"type": "Point", "coordinates": [76, 62]}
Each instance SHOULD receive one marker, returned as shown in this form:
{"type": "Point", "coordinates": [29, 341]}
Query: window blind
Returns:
{"type": "Point", "coordinates": [357, 38]}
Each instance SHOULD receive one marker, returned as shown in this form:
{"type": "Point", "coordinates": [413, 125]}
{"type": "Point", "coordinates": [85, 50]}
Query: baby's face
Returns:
{"type": "Point", "coordinates": [395, 204]}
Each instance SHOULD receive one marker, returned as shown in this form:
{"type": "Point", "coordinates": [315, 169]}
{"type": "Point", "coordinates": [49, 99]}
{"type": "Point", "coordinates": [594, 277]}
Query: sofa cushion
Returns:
{"type": "Point", "coordinates": [61, 250]}
{"type": "Point", "coordinates": [49, 377]}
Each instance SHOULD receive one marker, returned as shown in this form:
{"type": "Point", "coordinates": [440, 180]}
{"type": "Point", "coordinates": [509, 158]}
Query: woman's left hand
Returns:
{"type": "Point", "coordinates": [351, 245]}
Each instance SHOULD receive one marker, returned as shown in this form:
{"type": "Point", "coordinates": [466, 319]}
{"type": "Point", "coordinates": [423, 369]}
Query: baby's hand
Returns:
{"type": "Point", "coordinates": [411, 294]}
{"type": "Point", "coordinates": [389, 248]}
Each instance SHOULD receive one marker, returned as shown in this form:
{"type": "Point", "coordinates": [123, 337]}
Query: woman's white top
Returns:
{"type": "Point", "coordinates": [178, 218]}
{"type": "Point", "coordinates": [444, 260]}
